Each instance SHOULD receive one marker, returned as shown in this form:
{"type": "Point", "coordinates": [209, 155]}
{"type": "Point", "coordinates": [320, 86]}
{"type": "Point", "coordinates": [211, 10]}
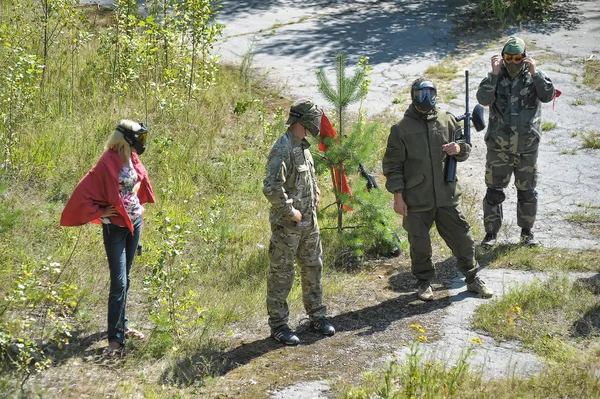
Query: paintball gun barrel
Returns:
{"type": "Point", "coordinates": [371, 183]}
{"type": "Point", "coordinates": [478, 122]}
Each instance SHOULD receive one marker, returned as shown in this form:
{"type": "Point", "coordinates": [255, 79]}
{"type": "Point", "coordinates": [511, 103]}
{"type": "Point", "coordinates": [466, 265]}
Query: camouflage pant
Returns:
{"type": "Point", "coordinates": [498, 170]}
{"type": "Point", "coordinates": [288, 244]}
{"type": "Point", "coordinates": [453, 228]}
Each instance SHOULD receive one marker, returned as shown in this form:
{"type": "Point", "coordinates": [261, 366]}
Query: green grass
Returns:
{"type": "Point", "coordinates": [554, 318]}
{"type": "Point", "coordinates": [591, 74]}
{"type": "Point", "coordinates": [441, 72]}
{"type": "Point", "coordinates": [577, 103]}
{"type": "Point", "coordinates": [535, 311]}
{"type": "Point", "coordinates": [546, 126]}
{"type": "Point", "coordinates": [591, 140]}
{"type": "Point", "coordinates": [541, 259]}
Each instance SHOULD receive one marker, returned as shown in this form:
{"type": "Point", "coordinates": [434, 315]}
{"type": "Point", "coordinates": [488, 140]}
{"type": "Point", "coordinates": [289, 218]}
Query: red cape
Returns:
{"type": "Point", "coordinates": [99, 188]}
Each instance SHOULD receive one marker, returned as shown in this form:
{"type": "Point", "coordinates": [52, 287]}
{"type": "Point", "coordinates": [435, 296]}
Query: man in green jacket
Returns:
{"type": "Point", "coordinates": [417, 149]}
{"type": "Point", "coordinates": [290, 185]}
{"type": "Point", "coordinates": [514, 91]}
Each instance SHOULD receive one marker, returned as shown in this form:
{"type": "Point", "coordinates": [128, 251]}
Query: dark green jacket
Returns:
{"type": "Point", "coordinates": [515, 110]}
{"type": "Point", "coordinates": [413, 163]}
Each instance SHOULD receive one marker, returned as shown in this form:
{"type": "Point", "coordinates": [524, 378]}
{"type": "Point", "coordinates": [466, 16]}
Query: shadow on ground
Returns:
{"type": "Point", "coordinates": [385, 31]}
{"type": "Point", "coordinates": [589, 323]}
{"type": "Point", "coordinates": [360, 323]}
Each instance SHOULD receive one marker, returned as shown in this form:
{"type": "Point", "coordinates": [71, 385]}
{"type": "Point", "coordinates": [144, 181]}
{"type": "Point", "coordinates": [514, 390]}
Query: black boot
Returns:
{"type": "Point", "coordinates": [284, 335]}
{"type": "Point", "coordinates": [489, 240]}
{"type": "Point", "coordinates": [323, 326]}
{"type": "Point", "coordinates": [527, 238]}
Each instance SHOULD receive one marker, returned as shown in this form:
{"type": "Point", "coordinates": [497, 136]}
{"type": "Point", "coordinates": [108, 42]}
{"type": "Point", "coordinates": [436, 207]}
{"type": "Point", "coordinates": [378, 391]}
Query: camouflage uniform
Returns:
{"type": "Point", "coordinates": [413, 165]}
{"type": "Point", "coordinates": [512, 141]}
{"type": "Point", "coordinates": [290, 184]}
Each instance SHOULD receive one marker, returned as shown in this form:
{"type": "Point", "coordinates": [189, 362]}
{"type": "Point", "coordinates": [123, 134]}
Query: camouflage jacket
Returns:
{"type": "Point", "coordinates": [515, 109]}
{"type": "Point", "coordinates": [290, 182]}
{"type": "Point", "coordinates": [413, 163]}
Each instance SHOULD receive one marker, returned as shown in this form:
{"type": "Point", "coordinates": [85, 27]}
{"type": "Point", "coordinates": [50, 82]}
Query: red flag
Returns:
{"type": "Point", "coordinates": [557, 94]}
{"type": "Point", "coordinates": [326, 130]}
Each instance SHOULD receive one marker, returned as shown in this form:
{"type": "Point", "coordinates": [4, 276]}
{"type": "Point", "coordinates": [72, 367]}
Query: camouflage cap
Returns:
{"type": "Point", "coordinates": [307, 113]}
{"type": "Point", "coordinates": [514, 45]}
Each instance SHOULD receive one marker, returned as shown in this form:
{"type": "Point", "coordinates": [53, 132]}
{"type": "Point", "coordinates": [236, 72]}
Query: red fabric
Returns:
{"type": "Point", "coordinates": [557, 94]}
{"type": "Point", "coordinates": [327, 130]}
{"type": "Point", "coordinates": [99, 188]}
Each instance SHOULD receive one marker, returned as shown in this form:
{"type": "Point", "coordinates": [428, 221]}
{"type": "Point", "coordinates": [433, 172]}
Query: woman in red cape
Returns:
{"type": "Point", "coordinates": [112, 194]}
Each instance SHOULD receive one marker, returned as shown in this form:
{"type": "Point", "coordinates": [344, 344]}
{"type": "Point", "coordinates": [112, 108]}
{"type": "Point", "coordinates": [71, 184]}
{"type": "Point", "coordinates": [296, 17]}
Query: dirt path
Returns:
{"type": "Point", "coordinates": [402, 38]}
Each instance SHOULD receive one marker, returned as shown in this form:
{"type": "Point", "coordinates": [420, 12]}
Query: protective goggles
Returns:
{"type": "Point", "coordinates": [426, 92]}
{"type": "Point", "coordinates": [513, 57]}
{"type": "Point", "coordinates": [140, 136]}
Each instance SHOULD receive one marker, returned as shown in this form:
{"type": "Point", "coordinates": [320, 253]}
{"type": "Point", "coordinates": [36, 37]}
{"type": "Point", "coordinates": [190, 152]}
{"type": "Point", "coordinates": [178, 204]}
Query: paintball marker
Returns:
{"type": "Point", "coordinates": [478, 122]}
{"type": "Point", "coordinates": [371, 183]}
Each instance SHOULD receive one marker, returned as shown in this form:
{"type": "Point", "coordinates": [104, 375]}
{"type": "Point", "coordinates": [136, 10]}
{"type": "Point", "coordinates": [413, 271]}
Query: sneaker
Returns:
{"type": "Point", "coordinates": [527, 238]}
{"type": "Point", "coordinates": [489, 240]}
{"type": "Point", "coordinates": [284, 335]}
{"type": "Point", "coordinates": [479, 287]}
{"type": "Point", "coordinates": [323, 326]}
{"type": "Point", "coordinates": [424, 292]}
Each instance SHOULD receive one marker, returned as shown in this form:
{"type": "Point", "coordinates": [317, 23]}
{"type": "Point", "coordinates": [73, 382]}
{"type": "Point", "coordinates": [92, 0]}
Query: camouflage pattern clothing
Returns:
{"type": "Point", "coordinates": [290, 184]}
{"type": "Point", "coordinates": [512, 141]}
{"type": "Point", "coordinates": [413, 165]}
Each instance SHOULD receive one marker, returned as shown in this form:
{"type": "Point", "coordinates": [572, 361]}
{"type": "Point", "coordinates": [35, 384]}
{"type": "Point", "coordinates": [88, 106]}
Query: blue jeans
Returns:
{"type": "Point", "coordinates": [120, 246]}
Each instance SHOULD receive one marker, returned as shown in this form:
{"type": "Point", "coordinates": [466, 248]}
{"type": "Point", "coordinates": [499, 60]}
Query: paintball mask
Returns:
{"type": "Point", "coordinates": [307, 114]}
{"type": "Point", "coordinates": [136, 139]}
{"type": "Point", "coordinates": [424, 95]}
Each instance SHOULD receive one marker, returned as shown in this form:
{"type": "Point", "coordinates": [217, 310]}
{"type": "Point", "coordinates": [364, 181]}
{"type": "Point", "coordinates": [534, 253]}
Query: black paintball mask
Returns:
{"type": "Point", "coordinates": [424, 96]}
{"type": "Point", "coordinates": [136, 139]}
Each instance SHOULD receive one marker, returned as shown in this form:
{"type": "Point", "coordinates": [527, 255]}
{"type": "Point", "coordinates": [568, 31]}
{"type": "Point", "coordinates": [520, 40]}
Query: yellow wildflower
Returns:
{"type": "Point", "coordinates": [476, 340]}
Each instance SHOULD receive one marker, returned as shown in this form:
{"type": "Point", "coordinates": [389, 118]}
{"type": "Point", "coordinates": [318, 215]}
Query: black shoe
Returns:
{"type": "Point", "coordinates": [489, 240]}
{"type": "Point", "coordinates": [527, 238]}
{"type": "Point", "coordinates": [323, 326]}
{"type": "Point", "coordinates": [284, 335]}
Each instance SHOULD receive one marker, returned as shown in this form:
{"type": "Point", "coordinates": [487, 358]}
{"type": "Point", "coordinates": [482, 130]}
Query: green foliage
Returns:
{"type": "Point", "coordinates": [8, 217]}
{"type": "Point", "coordinates": [367, 228]}
{"type": "Point", "coordinates": [344, 90]}
{"type": "Point", "coordinates": [509, 12]}
{"type": "Point", "coordinates": [37, 310]}
{"type": "Point", "coordinates": [546, 126]}
{"type": "Point", "coordinates": [526, 312]}
{"type": "Point", "coordinates": [591, 74]}
{"type": "Point", "coordinates": [591, 140]}
{"type": "Point", "coordinates": [417, 377]}
{"type": "Point", "coordinates": [171, 308]}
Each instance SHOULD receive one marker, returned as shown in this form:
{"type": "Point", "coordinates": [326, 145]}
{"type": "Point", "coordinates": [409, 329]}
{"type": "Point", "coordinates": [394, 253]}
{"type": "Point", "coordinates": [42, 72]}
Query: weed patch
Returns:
{"type": "Point", "coordinates": [591, 74]}
{"type": "Point", "coordinates": [591, 140]}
